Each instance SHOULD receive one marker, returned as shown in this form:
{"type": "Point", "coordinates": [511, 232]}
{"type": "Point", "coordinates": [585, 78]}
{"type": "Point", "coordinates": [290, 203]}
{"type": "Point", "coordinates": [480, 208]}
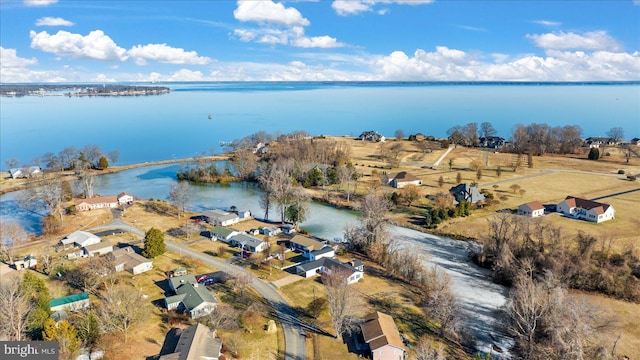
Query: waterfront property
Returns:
{"type": "Point", "coordinates": [584, 209]}
{"type": "Point", "coordinates": [305, 244]}
{"type": "Point", "coordinates": [401, 179]}
{"type": "Point", "coordinates": [25, 172]}
{"type": "Point", "coordinates": [96, 202]}
{"type": "Point", "coordinates": [219, 217]}
{"type": "Point", "coordinates": [531, 209]}
{"type": "Point", "coordinates": [127, 259]}
{"type": "Point", "coordinates": [71, 303]}
{"type": "Point", "coordinates": [381, 334]}
{"type": "Point", "coordinates": [190, 297]}
{"type": "Point", "coordinates": [125, 198]}
{"type": "Point", "coordinates": [195, 342]}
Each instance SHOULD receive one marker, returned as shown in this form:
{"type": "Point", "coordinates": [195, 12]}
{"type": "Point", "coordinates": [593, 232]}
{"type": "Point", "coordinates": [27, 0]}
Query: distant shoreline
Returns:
{"type": "Point", "coordinates": [69, 175]}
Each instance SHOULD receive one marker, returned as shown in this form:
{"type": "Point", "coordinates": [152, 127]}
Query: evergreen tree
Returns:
{"type": "Point", "coordinates": [65, 334]}
{"type": "Point", "coordinates": [103, 163]}
{"type": "Point", "coordinates": [37, 290]}
{"type": "Point", "coordinates": [153, 243]}
{"type": "Point", "coordinates": [594, 154]}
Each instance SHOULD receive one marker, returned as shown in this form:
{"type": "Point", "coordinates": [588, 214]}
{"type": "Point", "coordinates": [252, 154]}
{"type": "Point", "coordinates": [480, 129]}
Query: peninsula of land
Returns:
{"type": "Point", "coordinates": [18, 90]}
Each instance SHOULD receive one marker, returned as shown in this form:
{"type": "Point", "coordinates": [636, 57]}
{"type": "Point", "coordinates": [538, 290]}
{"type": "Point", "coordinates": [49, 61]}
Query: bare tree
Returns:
{"type": "Point", "coordinates": [242, 280]}
{"type": "Point", "coordinates": [425, 350]}
{"type": "Point", "coordinates": [92, 154]}
{"type": "Point", "coordinates": [12, 163]}
{"type": "Point", "coordinates": [68, 157]}
{"type": "Point", "coordinates": [486, 129]}
{"type": "Point", "coordinates": [616, 134]}
{"type": "Point", "coordinates": [346, 174]}
{"type": "Point", "coordinates": [87, 180]}
{"type": "Point", "coordinates": [400, 134]}
{"type": "Point", "coordinates": [440, 181]}
{"type": "Point", "coordinates": [276, 180]}
{"type": "Point", "coordinates": [439, 301]}
{"type": "Point", "coordinates": [51, 161]}
{"type": "Point", "coordinates": [410, 194]}
{"type": "Point", "coordinates": [113, 156]}
{"type": "Point", "coordinates": [120, 309]}
{"type": "Point", "coordinates": [180, 196]}
{"type": "Point", "coordinates": [244, 162]}
{"type": "Point", "coordinates": [11, 235]}
{"type": "Point", "coordinates": [223, 317]}
{"type": "Point", "coordinates": [48, 194]}
{"type": "Point", "coordinates": [342, 302]}
{"type": "Point", "coordinates": [15, 307]}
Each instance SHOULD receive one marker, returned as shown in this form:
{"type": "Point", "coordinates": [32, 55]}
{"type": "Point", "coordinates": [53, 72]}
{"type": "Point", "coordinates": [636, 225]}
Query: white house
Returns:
{"type": "Point", "coordinates": [124, 198]}
{"type": "Point", "coordinates": [249, 242]}
{"type": "Point", "coordinates": [353, 270]}
{"type": "Point", "coordinates": [531, 209]}
{"type": "Point", "coordinates": [586, 209]}
{"type": "Point", "coordinates": [244, 214]}
{"type": "Point", "coordinates": [402, 179]}
{"type": "Point", "coordinates": [25, 172]}
{"type": "Point", "coordinates": [28, 262]}
{"type": "Point", "coordinates": [96, 202]}
{"type": "Point", "coordinates": [220, 217]}
{"type": "Point", "coordinates": [127, 259]}
{"type": "Point", "coordinates": [79, 239]}
{"type": "Point", "coordinates": [223, 234]}
{"type": "Point", "coordinates": [325, 252]}
{"type": "Point", "coordinates": [100, 248]}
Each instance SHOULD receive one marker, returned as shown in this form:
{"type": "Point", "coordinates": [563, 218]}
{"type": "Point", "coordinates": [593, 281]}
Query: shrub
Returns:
{"type": "Point", "coordinates": [631, 177]}
{"type": "Point", "coordinates": [621, 172]}
{"type": "Point", "coordinates": [594, 154]}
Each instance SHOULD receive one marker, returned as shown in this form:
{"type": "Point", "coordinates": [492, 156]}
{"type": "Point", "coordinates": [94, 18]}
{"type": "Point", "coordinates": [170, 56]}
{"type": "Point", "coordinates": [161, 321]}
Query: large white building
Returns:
{"type": "Point", "coordinates": [586, 209]}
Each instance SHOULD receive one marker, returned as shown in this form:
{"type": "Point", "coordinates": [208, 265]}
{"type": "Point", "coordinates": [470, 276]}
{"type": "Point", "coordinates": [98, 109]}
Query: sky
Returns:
{"type": "Point", "coordinates": [341, 40]}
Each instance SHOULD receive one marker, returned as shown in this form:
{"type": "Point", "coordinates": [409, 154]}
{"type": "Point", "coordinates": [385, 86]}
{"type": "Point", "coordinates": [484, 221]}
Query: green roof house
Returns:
{"type": "Point", "coordinates": [190, 297]}
{"type": "Point", "coordinates": [71, 303]}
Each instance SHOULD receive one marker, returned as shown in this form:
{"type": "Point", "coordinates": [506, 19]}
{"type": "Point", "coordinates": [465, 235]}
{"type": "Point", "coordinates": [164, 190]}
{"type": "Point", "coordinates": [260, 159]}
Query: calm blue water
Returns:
{"type": "Point", "coordinates": [176, 125]}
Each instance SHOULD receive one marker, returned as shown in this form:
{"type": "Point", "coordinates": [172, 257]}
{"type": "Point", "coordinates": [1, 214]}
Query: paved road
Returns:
{"type": "Point", "coordinates": [293, 328]}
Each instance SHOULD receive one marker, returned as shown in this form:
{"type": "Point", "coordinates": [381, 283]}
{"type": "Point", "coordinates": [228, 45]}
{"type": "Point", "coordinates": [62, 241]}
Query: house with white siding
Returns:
{"type": "Point", "coordinates": [531, 209]}
{"type": "Point", "coordinates": [584, 209]}
{"type": "Point", "coordinates": [401, 179]}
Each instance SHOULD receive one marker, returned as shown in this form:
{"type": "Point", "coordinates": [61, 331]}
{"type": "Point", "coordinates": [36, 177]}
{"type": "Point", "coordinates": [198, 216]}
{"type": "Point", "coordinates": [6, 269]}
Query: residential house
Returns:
{"type": "Point", "coordinates": [223, 234]}
{"type": "Point", "coordinates": [178, 272]}
{"type": "Point", "coordinates": [401, 179]}
{"type": "Point", "coordinates": [244, 214]}
{"type": "Point", "coordinates": [586, 209]}
{"type": "Point", "coordinates": [249, 243]}
{"type": "Point", "coordinates": [270, 231]}
{"type": "Point", "coordinates": [464, 192]}
{"type": "Point", "coordinates": [125, 198]}
{"type": "Point", "coordinates": [325, 252]}
{"type": "Point", "coordinates": [596, 142]}
{"type": "Point", "coordinates": [531, 209]}
{"type": "Point", "coordinates": [220, 217]}
{"type": "Point", "coordinates": [288, 229]}
{"type": "Point", "coordinates": [28, 262]}
{"type": "Point", "coordinates": [190, 297]}
{"type": "Point", "coordinates": [371, 136]}
{"type": "Point", "coordinates": [417, 137]}
{"type": "Point", "coordinates": [96, 202]}
{"type": "Point", "coordinates": [71, 303]}
{"type": "Point", "coordinates": [491, 142]}
{"type": "Point", "coordinates": [100, 248]}
{"type": "Point", "coordinates": [196, 343]}
{"type": "Point", "coordinates": [127, 259]}
{"type": "Point", "coordinates": [79, 239]}
{"type": "Point", "coordinates": [329, 266]}
{"type": "Point", "coordinates": [25, 172]}
{"type": "Point", "coordinates": [381, 334]}
{"type": "Point", "coordinates": [305, 244]}
{"type": "Point", "coordinates": [635, 141]}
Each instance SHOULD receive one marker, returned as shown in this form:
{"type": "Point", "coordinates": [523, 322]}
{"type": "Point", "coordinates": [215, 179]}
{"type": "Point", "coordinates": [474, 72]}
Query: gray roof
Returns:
{"type": "Point", "coordinates": [324, 250]}
{"type": "Point", "coordinates": [78, 237]}
{"type": "Point", "coordinates": [464, 192]}
{"type": "Point", "coordinates": [196, 342]}
{"type": "Point", "coordinates": [176, 281]}
{"type": "Point", "coordinates": [247, 240]}
{"type": "Point", "coordinates": [326, 262]}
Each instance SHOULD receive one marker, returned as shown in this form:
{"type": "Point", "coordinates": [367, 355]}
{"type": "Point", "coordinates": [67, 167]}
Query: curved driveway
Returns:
{"type": "Point", "coordinates": [291, 325]}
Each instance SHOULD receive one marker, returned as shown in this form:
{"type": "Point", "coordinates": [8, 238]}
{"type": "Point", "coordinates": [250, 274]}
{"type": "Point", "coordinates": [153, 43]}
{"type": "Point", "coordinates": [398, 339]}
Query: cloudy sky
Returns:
{"type": "Point", "coordinates": [341, 40]}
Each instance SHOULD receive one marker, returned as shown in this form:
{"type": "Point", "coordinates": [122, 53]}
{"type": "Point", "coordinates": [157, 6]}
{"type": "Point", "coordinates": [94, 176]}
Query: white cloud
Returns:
{"type": "Point", "coordinates": [594, 40]}
{"type": "Point", "coordinates": [455, 65]}
{"type": "Point", "coordinates": [10, 59]}
{"type": "Point", "coordinates": [266, 11]}
{"type": "Point", "coordinates": [547, 22]}
{"type": "Point", "coordinates": [472, 28]}
{"type": "Point", "coordinates": [103, 78]}
{"type": "Point", "coordinates": [96, 45]}
{"type": "Point", "coordinates": [636, 2]}
{"type": "Point", "coordinates": [39, 2]}
{"type": "Point", "coordinates": [186, 75]}
{"type": "Point", "coordinates": [294, 36]}
{"type": "Point", "coordinates": [166, 54]}
{"type": "Point", "coordinates": [245, 34]}
{"type": "Point", "coordinates": [354, 7]}
{"type": "Point", "coordinates": [317, 42]}
{"type": "Point", "coordinates": [51, 21]}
